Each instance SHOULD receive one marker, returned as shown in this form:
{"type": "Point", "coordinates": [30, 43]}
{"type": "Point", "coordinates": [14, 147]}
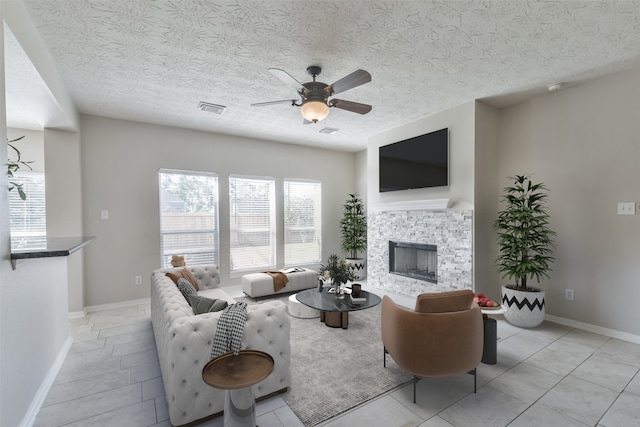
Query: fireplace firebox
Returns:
{"type": "Point", "coordinates": [414, 260]}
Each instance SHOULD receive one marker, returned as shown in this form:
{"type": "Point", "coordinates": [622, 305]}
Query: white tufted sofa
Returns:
{"type": "Point", "coordinates": [184, 343]}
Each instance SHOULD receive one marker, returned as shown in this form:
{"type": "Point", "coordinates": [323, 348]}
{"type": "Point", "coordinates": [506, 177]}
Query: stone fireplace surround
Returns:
{"type": "Point", "coordinates": [450, 230]}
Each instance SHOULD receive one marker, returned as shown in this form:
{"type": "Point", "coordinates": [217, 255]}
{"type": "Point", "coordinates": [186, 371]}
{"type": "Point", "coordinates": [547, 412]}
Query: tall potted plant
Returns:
{"type": "Point", "coordinates": [525, 241]}
{"type": "Point", "coordinates": [353, 228]}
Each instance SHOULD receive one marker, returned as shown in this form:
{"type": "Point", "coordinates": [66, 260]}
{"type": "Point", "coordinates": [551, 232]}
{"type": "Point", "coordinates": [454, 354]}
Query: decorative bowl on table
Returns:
{"type": "Point", "coordinates": [485, 302]}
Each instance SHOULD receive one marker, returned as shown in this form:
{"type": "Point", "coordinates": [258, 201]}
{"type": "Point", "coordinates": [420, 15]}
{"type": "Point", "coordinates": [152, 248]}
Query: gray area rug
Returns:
{"type": "Point", "coordinates": [334, 369]}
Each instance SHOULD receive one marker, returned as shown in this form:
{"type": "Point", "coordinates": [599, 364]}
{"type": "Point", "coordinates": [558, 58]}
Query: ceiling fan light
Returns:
{"type": "Point", "coordinates": [314, 111]}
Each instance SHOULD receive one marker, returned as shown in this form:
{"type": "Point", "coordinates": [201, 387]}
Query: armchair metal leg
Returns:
{"type": "Point", "coordinates": [415, 381]}
{"type": "Point", "coordinates": [475, 378]}
{"type": "Point", "coordinates": [384, 357]}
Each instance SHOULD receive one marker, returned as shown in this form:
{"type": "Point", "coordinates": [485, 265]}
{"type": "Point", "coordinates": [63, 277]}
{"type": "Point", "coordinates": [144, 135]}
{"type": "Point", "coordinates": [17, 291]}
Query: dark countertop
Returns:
{"type": "Point", "coordinates": [50, 247]}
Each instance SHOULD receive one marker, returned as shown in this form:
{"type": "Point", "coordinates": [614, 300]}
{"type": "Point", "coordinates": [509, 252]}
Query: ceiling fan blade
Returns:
{"type": "Point", "coordinates": [357, 78]}
{"type": "Point", "coordinates": [286, 78]}
{"type": "Point", "coordinates": [355, 107]}
{"type": "Point", "coordinates": [283, 101]}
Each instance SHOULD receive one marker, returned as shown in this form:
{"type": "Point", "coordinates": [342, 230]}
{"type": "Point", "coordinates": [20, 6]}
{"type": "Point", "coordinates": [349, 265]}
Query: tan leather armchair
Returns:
{"type": "Point", "coordinates": [442, 337]}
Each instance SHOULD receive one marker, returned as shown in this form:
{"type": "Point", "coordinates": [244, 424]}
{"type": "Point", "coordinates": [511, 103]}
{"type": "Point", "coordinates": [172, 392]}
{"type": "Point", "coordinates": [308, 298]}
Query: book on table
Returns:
{"type": "Point", "coordinates": [292, 270]}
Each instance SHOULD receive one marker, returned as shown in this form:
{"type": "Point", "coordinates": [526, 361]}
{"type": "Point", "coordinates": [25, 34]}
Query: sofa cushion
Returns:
{"type": "Point", "coordinates": [186, 288]}
{"type": "Point", "coordinates": [185, 273]}
{"type": "Point", "coordinates": [444, 302]}
{"type": "Point", "coordinates": [201, 304]}
{"type": "Point", "coordinates": [217, 293]}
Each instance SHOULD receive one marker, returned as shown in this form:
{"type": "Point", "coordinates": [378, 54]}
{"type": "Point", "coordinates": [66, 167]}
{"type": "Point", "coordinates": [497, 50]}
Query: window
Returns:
{"type": "Point", "coordinates": [189, 217]}
{"type": "Point", "coordinates": [252, 223]}
{"type": "Point", "coordinates": [302, 222]}
{"type": "Point", "coordinates": [28, 218]}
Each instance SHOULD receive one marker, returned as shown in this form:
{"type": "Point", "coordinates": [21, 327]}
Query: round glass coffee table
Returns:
{"type": "Point", "coordinates": [334, 311]}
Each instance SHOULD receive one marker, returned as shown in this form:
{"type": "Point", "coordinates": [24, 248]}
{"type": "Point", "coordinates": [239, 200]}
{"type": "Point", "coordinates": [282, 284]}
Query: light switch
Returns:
{"type": "Point", "coordinates": [104, 214]}
{"type": "Point", "coordinates": [626, 208]}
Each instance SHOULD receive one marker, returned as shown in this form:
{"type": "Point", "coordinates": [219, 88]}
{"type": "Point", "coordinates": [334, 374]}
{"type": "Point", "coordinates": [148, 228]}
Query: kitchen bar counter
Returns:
{"type": "Point", "coordinates": [49, 247]}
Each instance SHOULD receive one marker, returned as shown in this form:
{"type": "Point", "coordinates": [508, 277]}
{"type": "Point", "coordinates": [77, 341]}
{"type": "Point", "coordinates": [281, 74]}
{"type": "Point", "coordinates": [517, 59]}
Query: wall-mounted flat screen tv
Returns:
{"type": "Point", "coordinates": [418, 162]}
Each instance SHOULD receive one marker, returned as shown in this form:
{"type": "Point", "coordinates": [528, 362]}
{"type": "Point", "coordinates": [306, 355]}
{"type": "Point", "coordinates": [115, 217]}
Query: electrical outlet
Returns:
{"type": "Point", "coordinates": [138, 280]}
{"type": "Point", "coordinates": [568, 294]}
{"type": "Point", "coordinates": [626, 208]}
{"type": "Point", "coordinates": [104, 214]}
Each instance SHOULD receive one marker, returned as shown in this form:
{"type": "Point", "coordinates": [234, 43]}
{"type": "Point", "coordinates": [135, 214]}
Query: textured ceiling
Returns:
{"type": "Point", "coordinates": [155, 60]}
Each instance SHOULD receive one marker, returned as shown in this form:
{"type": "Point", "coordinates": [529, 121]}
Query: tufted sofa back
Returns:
{"type": "Point", "coordinates": [208, 275]}
{"type": "Point", "coordinates": [184, 343]}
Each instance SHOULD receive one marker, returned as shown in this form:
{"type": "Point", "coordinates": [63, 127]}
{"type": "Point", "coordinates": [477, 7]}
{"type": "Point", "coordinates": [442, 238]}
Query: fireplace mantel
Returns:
{"type": "Point", "coordinates": [411, 205]}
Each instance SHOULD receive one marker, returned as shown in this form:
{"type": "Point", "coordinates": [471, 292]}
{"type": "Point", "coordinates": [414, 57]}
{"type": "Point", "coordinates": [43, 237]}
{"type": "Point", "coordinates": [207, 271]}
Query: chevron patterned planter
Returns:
{"type": "Point", "coordinates": [359, 266]}
{"type": "Point", "coordinates": [524, 309]}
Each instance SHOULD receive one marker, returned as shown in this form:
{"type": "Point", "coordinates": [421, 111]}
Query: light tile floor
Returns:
{"type": "Point", "coordinates": [552, 375]}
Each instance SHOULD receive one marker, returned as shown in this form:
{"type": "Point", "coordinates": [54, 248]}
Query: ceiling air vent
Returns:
{"type": "Point", "coordinates": [212, 108]}
{"type": "Point", "coordinates": [328, 130]}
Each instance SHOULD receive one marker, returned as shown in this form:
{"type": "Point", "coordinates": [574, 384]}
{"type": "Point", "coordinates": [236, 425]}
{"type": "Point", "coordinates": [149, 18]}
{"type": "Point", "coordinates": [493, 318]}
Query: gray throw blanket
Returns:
{"type": "Point", "coordinates": [228, 336]}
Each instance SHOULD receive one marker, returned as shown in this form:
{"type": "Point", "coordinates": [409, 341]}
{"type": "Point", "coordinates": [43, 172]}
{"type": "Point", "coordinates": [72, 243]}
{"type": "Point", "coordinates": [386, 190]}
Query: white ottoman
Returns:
{"type": "Point", "coordinates": [299, 310]}
{"type": "Point", "coordinates": [261, 284]}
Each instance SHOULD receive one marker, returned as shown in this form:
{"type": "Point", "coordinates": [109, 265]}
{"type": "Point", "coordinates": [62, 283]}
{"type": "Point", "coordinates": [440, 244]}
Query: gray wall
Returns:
{"type": "Point", "coordinates": [64, 203]}
{"type": "Point", "coordinates": [460, 121]}
{"type": "Point", "coordinates": [485, 200]}
{"type": "Point", "coordinates": [582, 142]}
{"type": "Point", "coordinates": [362, 183]}
{"type": "Point", "coordinates": [120, 163]}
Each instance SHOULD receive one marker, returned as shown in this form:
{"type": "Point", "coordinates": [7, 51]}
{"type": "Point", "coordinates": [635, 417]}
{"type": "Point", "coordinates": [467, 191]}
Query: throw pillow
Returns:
{"type": "Point", "coordinates": [186, 274]}
{"type": "Point", "coordinates": [201, 304]}
{"type": "Point", "coordinates": [186, 288]}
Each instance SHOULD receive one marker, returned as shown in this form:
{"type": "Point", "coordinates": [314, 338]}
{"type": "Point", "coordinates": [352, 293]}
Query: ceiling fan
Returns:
{"type": "Point", "coordinates": [314, 96]}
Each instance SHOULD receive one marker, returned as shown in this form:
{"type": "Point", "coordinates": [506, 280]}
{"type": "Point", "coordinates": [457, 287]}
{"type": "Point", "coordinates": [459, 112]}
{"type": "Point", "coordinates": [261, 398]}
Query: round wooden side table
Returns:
{"type": "Point", "coordinates": [237, 375]}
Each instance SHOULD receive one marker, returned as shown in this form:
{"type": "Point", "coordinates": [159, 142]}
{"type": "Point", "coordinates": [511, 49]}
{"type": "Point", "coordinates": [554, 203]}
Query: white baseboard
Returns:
{"type": "Point", "coordinates": [593, 328]}
{"type": "Point", "coordinates": [30, 417]}
{"type": "Point", "coordinates": [100, 307]}
{"type": "Point", "coordinates": [92, 308]}
{"type": "Point", "coordinates": [77, 314]}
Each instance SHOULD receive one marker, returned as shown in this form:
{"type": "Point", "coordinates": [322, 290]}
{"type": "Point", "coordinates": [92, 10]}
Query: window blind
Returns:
{"type": "Point", "coordinates": [252, 223]}
{"type": "Point", "coordinates": [189, 217]}
{"type": "Point", "coordinates": [28, 218]}
{"type": "Point", "coordinates": [302, 222]}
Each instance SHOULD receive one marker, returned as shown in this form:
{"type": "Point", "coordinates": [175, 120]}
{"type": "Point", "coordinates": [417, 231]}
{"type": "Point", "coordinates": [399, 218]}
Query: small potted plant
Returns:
{"type": "Point", "coordinates": [338, 271]}
{"type": "Point", "coordinates": [526, 250]}
{"type": "Point", "coordinates": [353, 228]}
